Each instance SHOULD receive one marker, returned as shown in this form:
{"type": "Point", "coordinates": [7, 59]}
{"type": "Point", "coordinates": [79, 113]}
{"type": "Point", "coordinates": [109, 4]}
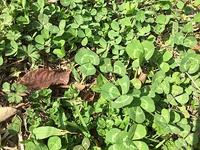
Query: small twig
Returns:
{"type": "Point", "coordinates": [193, 81]}
{"type": "Point", "coordinates": [20, 140]}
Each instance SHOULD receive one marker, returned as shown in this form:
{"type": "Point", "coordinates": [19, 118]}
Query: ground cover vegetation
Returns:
{"type": "Point", "coordinates": [99, 74]}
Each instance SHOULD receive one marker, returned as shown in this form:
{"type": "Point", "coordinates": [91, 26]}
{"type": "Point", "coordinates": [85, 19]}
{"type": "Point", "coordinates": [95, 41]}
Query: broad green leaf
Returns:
{"type": "Point", "coordinates": [39, 39]}
{"type": "Point", "coordinates": [87, 56]}
{"type": "Point", "coordinates": [192, 139]}
{"type": "Point", "coordinates": [86, 143]}
{"type": "Point", "coordinates": [190, 63]}
{"type": "Point", "coordinates": [15, 127]}
{"type": "Point", "coordinates": [148, 49]}
{"type": "Point", "coordinates": [65, 3]}
{"type": "Point", "coordinates": [121, 137]}
{"type": "Point", "coordinates": [136, 83]}
{"type": "Point", "coordinates": [81, 34]}
{"type": "Point", "coordinates": [137, 114]}
{"type": "Point", "coordinates": [165, 114]}
{"type": "Point", "coordinates": [164, 67]}
{"type": "Point", "coordinates": [139, 131]}
{"type": "Point", "coordinates": [124, 82]}
{"type": "Point", "coordinates": [43, 19]}
{"type": "Point", "coordinates": [109, 91]}
{"type": "Point", "coordinates": [186, 130]}
{"type": "Point", "coordinates": [1, 60]}
{"type": "Point", "coordinates": [135, 49]}
{"type": "Point", "coordinates": [178, 38]}
{"type": "Point", "coordinates": [122, 101]}
{"type": "Point", "coordinates": [54, 143]}
{"type": "Point", "coordinates": [14, 45]}
{"type": "Point", "coordinates": [176, 90]}
{"type": "Point", "coordinates": [112, 34]}
{"type": "Point", "coordinates": [197, 17]}
{"type": "Point", "coordinates": [183, 98]}
{"type": "Point", "coordinates": [84, 42]}
{"type": "Point", "coordinates": [190, 41]}
{"type": "Point", "coordinates": [161, 19]}
{"type": "Point", "coordinates": [181, 143]}
{"type": "Point", "coordinates": [46, 131]}
{"type": "Point", "coordinates": [141, 145]}
{"type": "Point", "coordinates": [111, 135]}
{"type": "Point", "coordinates": [115, 25]}
{"type": "Point", "coordinates": [59, 52]}
{"type": "Point", "coordinates": [45, 33]}
{"type": "Point", "coordinates": [167, 55]}
{"type": "Point", "coordinates": [62, 24]}
{"type": "Point", "coordinates": [119, 68]}
{"type": "Point", "coordinates": [79, 19]}
{"type": "Point", "coordinates": [147, 104]}
{"type": "Point", "coordinates": [106, 65]}
{"type": "Point", "coordinates": [87, 69]}
{"type": "Point", "coordinates": [78, 147]}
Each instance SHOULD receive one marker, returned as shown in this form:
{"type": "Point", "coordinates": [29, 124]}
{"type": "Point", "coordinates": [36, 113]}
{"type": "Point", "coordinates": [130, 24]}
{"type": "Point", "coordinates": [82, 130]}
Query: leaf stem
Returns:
{"type": "Point", "coordinates": [193, 81]}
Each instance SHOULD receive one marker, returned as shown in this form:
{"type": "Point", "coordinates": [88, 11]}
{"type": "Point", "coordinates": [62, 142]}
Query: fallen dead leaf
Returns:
{"type": "Point", "coordinates": [42, 78]}
{"type": "Point", "coordinates": [6, 112]}
{"type": "Point", "coordinates": [79, 86]}
{"type": "Point", "coordinates": [143, 77]}
{"type": "Point", "coordinates": [87, 95]}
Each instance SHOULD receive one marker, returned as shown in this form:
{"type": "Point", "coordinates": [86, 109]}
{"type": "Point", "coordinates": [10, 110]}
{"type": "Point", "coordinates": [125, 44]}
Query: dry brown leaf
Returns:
{"type": "Point", "coordinates": [143, 77]}
{"type": "Point", "coordinates": [79, 86]}
{"type": "Point", "coordinates": [42, 78]}
{"type": "Point", "coordinates": [6, 112]}
{"type": "Point", "coordinates": [87, 95]}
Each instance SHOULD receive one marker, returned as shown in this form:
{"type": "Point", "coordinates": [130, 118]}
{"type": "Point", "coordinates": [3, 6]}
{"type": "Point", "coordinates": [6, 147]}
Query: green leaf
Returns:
{"type": "Point", "coordinates": [190, 41]}
{"type": "Point", "coordinates": [59, 52]}
{"type": "Point", "coordinates": [54, 143]}
{"type": "Point", "coordinates": [124, 82]}
{"type": "Point", "coordinates": [136, 83]}
{"type": "Point", "coordinates": [14, 45]}
{"type": "Point", "coordinates": [39, 39]}
{"type": "Point", "coordinates": [87, 56]}
{"type": "Point", "coordinates": [164, 67]}
{"type": "Point", "coordinates": [46, 131]}
{"type": "Point", "coordinates": [84, 42]}
{"type": "Point", "coordinates": [190, 63]}
{"type": "Point", "coordinates": [115, 26]}
{"type": "Point", "coordinates": [119, 68]}
{"type": "Point", "coordinates": [192, 139]}
{"type": "Point", "coordinates": [45, 33]}
{"type": "Point", "coordinates": [1, 60]}
{"type": "Point", "coordinates": [122, 101]}
{"type": "Point", "coordinates": [183, 98]}
{"type": "Point", "coordinates": [43, 19]}
{"type": "Point", "coordinates": [78, 147]}
{"type": "Point", "coordinates": [165, 114]}
{"type": "Point", "coordinates": [147, 104]}
{"type": "Point", "coordinates": [148, 49]}
{"type": "Point", "coordinates": [137, 114]}
{"type": "Point", "coordinates": [197, 17]}
{"type": "Point", "coordinates": [139, 131]}
{"type": "Point", "coordinates": [178, 38]}
{"type": "Point", "coordinates": [62, 24]}
{"type": "Point", "coordinates": [65, 3]}
{"type": "Point", "coordinates": [135, 49]}
{"type": "Point", "coordinates": [106, 65]}
{"type": "Point", "coordinates": [86, 143]}
{"type": "Point", "coordinates": [109, 91]}
{"type": "Point", "coordinates": [15, 126]}
{"type": "Point", "coordinates": [112, 134]}
{"type": "Point", "coordinates": [87, 69]}
{"type": "Point", "coordinates": [167, 55]}
{"type": "Point", "coordinates": [141, 145]}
